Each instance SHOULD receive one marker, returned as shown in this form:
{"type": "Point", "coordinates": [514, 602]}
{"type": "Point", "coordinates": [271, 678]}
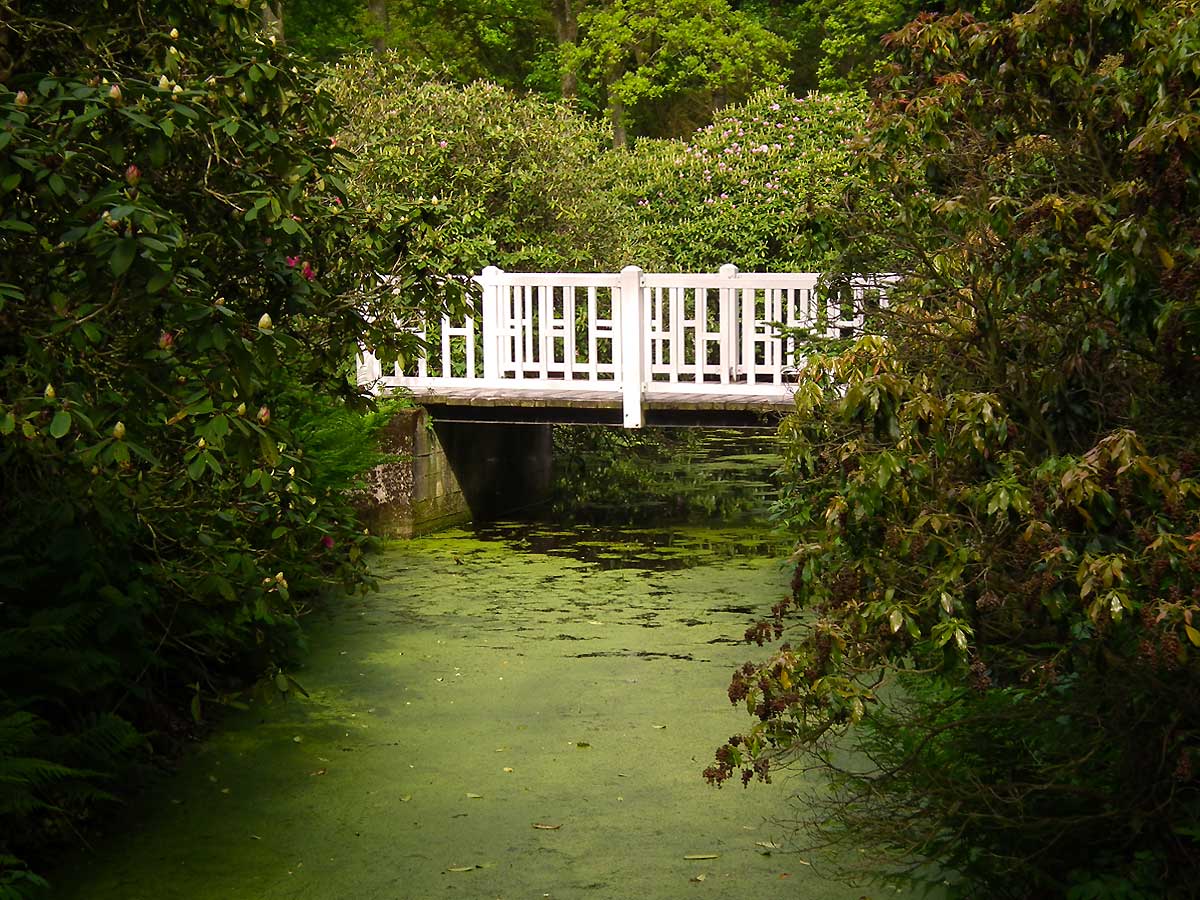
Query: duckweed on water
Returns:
{"type": "Point", "coordinates": [521, 712]}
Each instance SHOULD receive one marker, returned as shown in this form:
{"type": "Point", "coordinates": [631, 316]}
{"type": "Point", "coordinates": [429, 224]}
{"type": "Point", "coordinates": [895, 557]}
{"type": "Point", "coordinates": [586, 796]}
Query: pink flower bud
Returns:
{"type": "Point", "coordinates": [264, 415]}
{"type": "Point", "coordinates": [307, 271]}
{"type": "Point", "coordinates": [327, 542]}
{"type": "Point", "coordinates": [22, 98]}
{"type": "Point", "coordinates": [115, 92]}
{"type": "Point", "coordinates": [166, 340]}
{"type": "Point", "coordinates": [132, 175]}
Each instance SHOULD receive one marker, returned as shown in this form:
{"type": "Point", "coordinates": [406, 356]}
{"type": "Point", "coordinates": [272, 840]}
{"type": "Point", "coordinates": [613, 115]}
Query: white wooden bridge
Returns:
{"type": "Point", "coordinates": [632, 347]}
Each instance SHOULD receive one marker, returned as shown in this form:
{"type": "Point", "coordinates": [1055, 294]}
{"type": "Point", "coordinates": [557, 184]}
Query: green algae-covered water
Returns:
{"type": "Point", "coordinates": [523, 711]}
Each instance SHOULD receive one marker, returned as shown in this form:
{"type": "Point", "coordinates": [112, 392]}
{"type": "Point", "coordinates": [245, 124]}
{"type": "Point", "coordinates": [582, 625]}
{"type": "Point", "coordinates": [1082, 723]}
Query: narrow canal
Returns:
{"type": "Point", "coordinates": [523, 711]}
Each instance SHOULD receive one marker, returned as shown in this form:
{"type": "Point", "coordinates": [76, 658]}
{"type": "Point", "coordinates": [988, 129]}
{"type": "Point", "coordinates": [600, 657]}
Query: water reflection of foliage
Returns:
{"type": "Point", "coordinates": [662, 474]}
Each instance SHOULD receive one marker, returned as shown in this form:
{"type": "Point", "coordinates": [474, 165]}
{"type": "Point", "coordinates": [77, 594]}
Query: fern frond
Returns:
{"type": "Point", "coordinates": [109, 737]}
{"type": "Point", "coordinates": [17, 882]}
{"type": "Point", "coordinates": [17, 729]}
{"type": "Point", "coordinates": [18, 802]}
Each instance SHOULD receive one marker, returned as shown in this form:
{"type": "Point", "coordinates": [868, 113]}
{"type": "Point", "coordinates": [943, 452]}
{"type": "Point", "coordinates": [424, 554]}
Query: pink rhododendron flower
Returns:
{"type": "Point", "coordinates": [307, 271]}
{"type": "Point", "coordinates": [292, 261]}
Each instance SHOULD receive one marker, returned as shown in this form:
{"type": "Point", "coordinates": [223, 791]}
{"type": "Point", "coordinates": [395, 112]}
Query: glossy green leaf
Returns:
{"type": "Point", "coordinates": [60, 424]}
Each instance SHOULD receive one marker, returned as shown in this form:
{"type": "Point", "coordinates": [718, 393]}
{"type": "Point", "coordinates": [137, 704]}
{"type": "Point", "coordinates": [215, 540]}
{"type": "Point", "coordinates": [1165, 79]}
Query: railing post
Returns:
{"type": "Point", "coordinates": [490, 323]}
{"type": "Point", "coordinates": [729, 327]}
{"type": "Point", "coordinates": [632, 361]}
{"type": "Point", "coordinates": [370, 372]}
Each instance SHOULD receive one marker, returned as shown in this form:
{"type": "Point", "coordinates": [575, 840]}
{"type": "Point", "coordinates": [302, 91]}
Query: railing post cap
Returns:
{"type": "Point", "coordinates": [729, 270]}
{"type": "Point", "coordinates": [629, 270]}
{"type": "Point", "coordinates": [492, 270]}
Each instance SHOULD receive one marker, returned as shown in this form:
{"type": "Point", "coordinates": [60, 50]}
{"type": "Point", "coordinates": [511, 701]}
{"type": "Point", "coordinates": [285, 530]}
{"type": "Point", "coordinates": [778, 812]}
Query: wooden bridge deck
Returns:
{"type": "Point", "coordinates": [741, 407]}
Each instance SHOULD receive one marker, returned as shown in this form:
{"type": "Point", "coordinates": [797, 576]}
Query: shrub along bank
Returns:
{"type": "Point", "coordinates": [182, 280]}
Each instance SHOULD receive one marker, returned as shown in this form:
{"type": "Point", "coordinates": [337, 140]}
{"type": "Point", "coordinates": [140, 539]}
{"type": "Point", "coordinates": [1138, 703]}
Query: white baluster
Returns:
{"type": "Point", "coordinates": [632, 340]}
{"type": "Point", "coordinates": [729, 330]}
{"type": "Point", "coordinates": [491, 324]}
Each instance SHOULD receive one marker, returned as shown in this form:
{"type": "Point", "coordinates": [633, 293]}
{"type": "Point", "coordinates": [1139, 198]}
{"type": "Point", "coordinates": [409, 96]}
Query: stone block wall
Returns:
{"type": "Point", "coordinates": [448, 473]}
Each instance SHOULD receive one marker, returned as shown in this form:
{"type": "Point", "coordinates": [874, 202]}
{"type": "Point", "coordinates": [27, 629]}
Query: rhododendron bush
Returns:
{"type": "Point", "coordinates": [182, 288]}
{"type": "Point", "coordinates": [756, 188]}
{"type": "Point", "coordinates": [489, 177]}
{"type": "Point", "coordinates": [996, 601]}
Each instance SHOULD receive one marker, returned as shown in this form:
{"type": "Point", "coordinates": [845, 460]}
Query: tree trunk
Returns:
{"type": "Point", "coordinates": [616, 115]}
{"type": "Point", "coordinates": [272, 19]}
{"type": "Point", "coordinates": [378, 12]}
{"type": "Point", "coordinates": [566, 30]}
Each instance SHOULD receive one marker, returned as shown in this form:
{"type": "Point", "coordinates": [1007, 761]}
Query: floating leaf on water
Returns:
{"type": "Point", "coordinates": [660, 726]}
{"type": "Point", "coordinates": [582, 745]}
{"type": "Point", "coordinates": [281, 683]}
{"type": "Point", "coordinates": [622, 775]}
{"type": "Point", "coordinates": [255, 837]}
{"type": "Point", "coordinates": [508, 769]}
{"type": "Point", "coordinates": [699, 877]}
{"type": "Point", "coordinates": [542, 826]}
{"type": "Point", "coordinates": [770, 845]}
{"type": "Point", "coordinates": [318, 772]}
{"type": "Point", "coordinates": [471, 796]}
{"type": "Point", "coordinates": [297, 739]}
{"type": "Point", "coordinates": [461, 868]}
{"type": "Point", "coordinates": [701, 855]}
{"type": "Point", "coordinates": [404, 798]}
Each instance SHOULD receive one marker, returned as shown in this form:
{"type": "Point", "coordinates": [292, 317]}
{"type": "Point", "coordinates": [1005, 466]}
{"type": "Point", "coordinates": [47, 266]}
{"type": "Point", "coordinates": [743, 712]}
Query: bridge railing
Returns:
{"type": "Point", "coordinates": [630, 333]}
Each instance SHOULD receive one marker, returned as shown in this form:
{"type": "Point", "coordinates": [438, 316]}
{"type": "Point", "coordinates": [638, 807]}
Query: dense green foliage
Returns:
{"type": "Point", "coordinates": [182, 285]}
{"type": "Point", "coordinates": [476, 175]}
{"type": "Point", "coordinates": [494, 39]}
{"type": "Point", "coordinates": [661, 67]}
{"type": "Point", "coordinates": [754, 188]}
{"type": "Point", "coordinates": [666, 65]}
{"type": "Point", "coordinates": [997, 486]}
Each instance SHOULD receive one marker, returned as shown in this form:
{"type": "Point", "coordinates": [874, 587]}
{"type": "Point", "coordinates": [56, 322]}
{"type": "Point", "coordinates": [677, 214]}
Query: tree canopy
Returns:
{"type": "Point", "coordinates": [668, 64]}
{"type": "Point", "coordinates": [654, 67]}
